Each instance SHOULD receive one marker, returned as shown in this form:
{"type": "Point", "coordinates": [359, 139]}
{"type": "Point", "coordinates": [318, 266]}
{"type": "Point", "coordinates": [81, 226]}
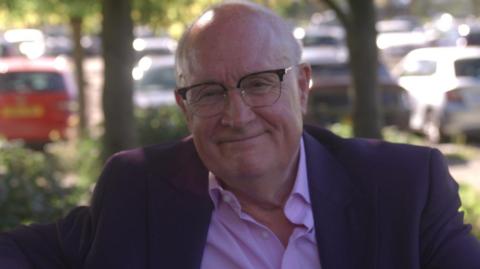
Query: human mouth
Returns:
{"type": "Point", "coordinates": [238, 139]}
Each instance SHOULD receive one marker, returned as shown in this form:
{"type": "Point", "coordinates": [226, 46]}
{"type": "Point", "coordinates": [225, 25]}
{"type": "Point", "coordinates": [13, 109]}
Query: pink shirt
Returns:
{"type": "Point", "coordinates": [236, 240]}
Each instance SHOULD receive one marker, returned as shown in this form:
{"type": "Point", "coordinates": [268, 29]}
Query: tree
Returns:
{"type": "Point", "coordinates": [117, 37]}
{"type": "Point", "coordinates": [358, 18]}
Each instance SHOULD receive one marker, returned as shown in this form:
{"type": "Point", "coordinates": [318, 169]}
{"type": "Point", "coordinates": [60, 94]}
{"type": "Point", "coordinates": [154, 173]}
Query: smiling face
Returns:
{"type": "Point", "coordinates": [244, 143]}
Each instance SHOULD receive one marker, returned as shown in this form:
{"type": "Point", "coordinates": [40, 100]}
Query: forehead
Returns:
{"type": "Point", "coordinates": [235, 43]}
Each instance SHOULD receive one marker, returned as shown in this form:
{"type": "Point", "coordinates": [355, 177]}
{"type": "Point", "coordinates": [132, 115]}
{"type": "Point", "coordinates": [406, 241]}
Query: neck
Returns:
{"type": "Point", "coordinates": [265, 201]}
{"type": "Point", "coordinates": [268, 192]}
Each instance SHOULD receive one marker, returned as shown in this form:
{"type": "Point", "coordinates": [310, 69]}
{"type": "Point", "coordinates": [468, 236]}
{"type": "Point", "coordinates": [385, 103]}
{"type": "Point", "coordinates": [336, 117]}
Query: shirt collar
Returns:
{"type": "Point", "coordinates": [298, 204]}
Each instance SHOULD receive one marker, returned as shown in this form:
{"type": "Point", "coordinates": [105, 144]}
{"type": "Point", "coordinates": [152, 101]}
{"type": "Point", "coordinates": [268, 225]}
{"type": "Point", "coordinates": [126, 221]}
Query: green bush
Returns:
{"type": "Point", "coordinates": [80, 163]}
{"type": "Point", "coordinates": [471, 206]}
{"type": "Point", "coordinates": [41, 186]}
{"type": "Point", "coordinates": [31, 188]}
{"type": "Point", "coordinates": [159, 125]}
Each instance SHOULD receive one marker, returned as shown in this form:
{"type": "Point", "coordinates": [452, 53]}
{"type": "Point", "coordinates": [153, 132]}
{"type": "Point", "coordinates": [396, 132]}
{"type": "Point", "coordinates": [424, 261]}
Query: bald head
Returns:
{"type": "Point", "coordinates": [235, 29]}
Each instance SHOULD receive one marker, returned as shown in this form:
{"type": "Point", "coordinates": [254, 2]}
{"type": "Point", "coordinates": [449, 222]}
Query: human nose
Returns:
{"type": "Point", "coordinates": [236, 112]}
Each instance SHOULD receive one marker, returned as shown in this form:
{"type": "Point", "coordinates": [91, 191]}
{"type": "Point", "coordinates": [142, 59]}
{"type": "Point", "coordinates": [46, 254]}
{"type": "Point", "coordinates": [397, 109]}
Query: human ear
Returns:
{"type": "Point", "coordinates": [304, 80]}
{"type": "Point", "coordinates": [181, 103]}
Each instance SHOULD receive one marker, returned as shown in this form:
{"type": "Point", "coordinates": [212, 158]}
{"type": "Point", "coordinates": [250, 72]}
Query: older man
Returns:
{"type": "Point", "coordinates": [251, 188]}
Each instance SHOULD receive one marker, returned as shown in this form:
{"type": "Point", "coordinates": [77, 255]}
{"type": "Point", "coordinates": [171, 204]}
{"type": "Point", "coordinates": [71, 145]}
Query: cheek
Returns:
{"type": "Point", "coordinates": [292, 100]}
{"type": "Point", "coordinates": [201, 129]}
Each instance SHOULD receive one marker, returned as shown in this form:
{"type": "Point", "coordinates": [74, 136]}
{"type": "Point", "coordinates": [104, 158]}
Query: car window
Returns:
{"type": "Point", "coordinates": [31, 82]}
{"type": "Point", "coordinates": [467, 68]}
{"type": "Point", "coordinates": [418, 68]}
{"type": "Point", "coordinates": [311, 41]}
{"type": "Point", "coordinates": [159, 77]}
{"type": "Point", "coordinates": [331, 70]}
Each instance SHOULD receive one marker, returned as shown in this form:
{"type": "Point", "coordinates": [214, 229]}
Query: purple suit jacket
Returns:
{"type": "Point", "coordinates": [375, 205]}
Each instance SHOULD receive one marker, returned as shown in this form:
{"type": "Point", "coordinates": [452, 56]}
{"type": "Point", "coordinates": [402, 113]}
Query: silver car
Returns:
{"type": "Point", "coordinates": [444, 86]}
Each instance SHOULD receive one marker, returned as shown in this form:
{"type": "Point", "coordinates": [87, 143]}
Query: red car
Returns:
{"type": "Point", "coordinates": [36, 98]}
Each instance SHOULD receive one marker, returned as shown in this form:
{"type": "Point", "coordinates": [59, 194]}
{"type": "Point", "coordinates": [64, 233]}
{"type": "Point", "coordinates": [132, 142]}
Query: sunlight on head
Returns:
{"type": "Point", "coordinates": [206, 18]}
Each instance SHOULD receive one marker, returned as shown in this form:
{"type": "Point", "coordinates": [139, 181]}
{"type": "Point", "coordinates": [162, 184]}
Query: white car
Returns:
{"type": "Point", "coordinates": [444, 86]}
{"type": "Point", "coordinates": [154, 78]}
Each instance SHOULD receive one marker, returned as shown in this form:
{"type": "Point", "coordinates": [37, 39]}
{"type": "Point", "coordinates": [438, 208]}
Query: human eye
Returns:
{"type": "Point", "coordinates": [259, 84]}
{"type": "Point", "coordinates": [206, 94]}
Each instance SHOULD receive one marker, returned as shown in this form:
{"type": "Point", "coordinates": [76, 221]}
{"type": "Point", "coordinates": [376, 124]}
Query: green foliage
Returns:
{"type": "Point", "coordinates": [41, 186]}
{"type": "Point", "coordinates": [163, 124]}
{"type": "Point", "coordinates": [80, 162]}
{"type": "Point", "coordinates": [471, 207]}
{"type": "Point", "coordinates": [31, 188]}
{"type": "Point", "coordinates": [391, 134]}
{"type": "Point", "coordinates": [27, 13]}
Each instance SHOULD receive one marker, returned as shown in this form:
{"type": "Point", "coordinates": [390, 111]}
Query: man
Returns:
{"type": "Point", "coordinates": [252, 187]}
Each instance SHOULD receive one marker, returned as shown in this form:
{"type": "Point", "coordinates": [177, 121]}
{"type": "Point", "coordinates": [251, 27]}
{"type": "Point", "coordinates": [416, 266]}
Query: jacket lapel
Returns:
{"type": "Point", "coordinates": [344, 217]}
{"type": "Point", "coordinates": [179, 211]}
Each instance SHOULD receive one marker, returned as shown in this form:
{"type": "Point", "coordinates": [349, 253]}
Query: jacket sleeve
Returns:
{"type": "Point", "coordinates": [446, 242]}
{"type": "Point", "coordinates": [55, 245]}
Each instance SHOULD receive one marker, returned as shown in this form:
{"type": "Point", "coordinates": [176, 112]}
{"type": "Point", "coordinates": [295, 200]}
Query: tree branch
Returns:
{"type": "Point", "coordinates": [341, 14]}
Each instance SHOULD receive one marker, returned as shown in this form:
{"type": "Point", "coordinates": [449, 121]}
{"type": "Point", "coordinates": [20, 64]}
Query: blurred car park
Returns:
{"type": "Point", "coordinates": [27, 42]}
{"type": "Point", "coordinates": [154, 78]}
{"type": "Point", "coordinates": [92, 44]}
{"type": "Point", "coordinates": [36, 99]}
{"type": "Point", "coordinates": [444, 87]}
{"type": "Point", "coordinates": [331, 93]}
{"type": "Point", "coordinates": [154, 46]}
{"type": "Point", "coordinates": [323, 41]}
{"type": "Point", "coordinates": [396, 37]}
{"type": "Point", "coordinates": [58, 40]}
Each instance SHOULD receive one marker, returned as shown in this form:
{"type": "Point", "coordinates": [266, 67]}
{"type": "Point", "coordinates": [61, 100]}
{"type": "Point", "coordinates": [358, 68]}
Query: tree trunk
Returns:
{"type": "Point", "coordinates": [361, 39]}
{"type": "Point", "coordinates": [117, 36]}
{"type": "Point", "coordinates": [78, 56]}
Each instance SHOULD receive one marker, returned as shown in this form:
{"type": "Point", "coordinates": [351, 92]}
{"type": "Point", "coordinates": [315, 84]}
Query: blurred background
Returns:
{"type": "Point", "coordinates": [82, 79]}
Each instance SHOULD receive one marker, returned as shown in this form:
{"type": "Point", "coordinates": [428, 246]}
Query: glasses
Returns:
{"type": "Point", "coordinates": [258, 89]}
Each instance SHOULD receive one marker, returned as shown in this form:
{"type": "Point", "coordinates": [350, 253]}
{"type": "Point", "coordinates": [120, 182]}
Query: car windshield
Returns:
{"type": "Point", "coordinates": [162, 78]}
{"type": "Point", "coordinates": [31, 82]}
{"type": "Point", "coordinates": [468, 68]}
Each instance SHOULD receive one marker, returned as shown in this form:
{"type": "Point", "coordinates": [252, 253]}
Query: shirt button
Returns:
{"type": "Point", "coordinates": [264, 235]}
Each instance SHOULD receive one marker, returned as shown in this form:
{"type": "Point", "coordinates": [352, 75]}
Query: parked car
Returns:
{"type": "Point", "coordinates": [444, 87]}
{"type": "Point", "coordinates": [35, 99]}
{"type": "Point", "coordinates": [154, 78]}
{"type": "Point", "coordinates": [331, 94]}
{"type": "Point", "coordinates": [326, 42]}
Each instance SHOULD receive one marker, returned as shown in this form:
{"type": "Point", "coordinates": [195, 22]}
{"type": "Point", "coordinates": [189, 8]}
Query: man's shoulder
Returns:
{"type": "Point", "coordinates": [156, 154]}
{"type": "Point", "coordinates": [371, 161]}
{"type": "Point", "coordinates": [362, 148]}
{"type": "Point", "coordinates": [157, 161]}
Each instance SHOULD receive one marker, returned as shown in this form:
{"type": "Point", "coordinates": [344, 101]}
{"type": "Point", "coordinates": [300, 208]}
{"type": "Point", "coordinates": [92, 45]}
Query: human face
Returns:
{"type": "Point", "coordinates": [243, 143]}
